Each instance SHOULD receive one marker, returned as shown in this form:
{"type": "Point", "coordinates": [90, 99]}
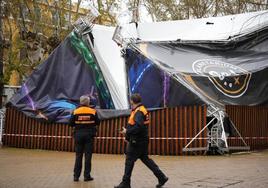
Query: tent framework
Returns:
{"type": "Point", "coordinates": [217, 137]}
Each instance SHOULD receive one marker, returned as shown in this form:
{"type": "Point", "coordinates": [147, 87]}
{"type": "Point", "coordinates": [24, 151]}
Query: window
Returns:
{"type": "Point", "coordinates": [55, 17]}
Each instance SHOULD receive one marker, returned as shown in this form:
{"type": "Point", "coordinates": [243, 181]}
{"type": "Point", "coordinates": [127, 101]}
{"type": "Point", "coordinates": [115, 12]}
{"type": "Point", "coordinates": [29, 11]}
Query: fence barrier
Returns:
{"type": "Point", "coordinates": [170, 130]}
{"type": "Point", "coordinates": [252, 123]}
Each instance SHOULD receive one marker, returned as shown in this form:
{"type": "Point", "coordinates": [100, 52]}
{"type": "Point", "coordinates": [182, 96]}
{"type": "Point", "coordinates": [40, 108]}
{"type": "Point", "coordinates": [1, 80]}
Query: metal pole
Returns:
{"type": "Point", "coordinates": [1, 52]}
{"type": "Point", "coordinates": [199, 133]}
{"type": "Point", "coordinates": [239, 132]}
{"type": "Point", "coordinates": [223, 131]}
{"type": "Point", "coordinates": [1, 128]}
{"type": "Point", "coordinates": [1, 68]}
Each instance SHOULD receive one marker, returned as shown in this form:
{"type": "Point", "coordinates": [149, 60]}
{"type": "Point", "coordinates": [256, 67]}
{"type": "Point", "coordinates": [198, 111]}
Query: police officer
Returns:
{"type": "Point", "coordinates": [84, 120]}
{"type": "Point", "coordinates": [136, 133]}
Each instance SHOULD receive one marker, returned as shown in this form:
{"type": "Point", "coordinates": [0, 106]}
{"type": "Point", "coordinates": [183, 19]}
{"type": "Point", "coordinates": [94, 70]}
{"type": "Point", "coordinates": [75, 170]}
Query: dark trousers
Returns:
{"type": "Point", "coordinates": [139, 151]}
{"type": "Point", "coordinates": [83, 144]}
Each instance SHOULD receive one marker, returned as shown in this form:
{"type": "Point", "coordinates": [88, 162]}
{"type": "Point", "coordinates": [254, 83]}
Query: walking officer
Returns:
{"type": "Point", "coordinates": [136, 133]}
{"type": "Point", "coordinates": [85, 121]}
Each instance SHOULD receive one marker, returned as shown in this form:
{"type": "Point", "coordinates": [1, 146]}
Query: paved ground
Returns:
{"type": "Point", "coordinates": [37, 169]}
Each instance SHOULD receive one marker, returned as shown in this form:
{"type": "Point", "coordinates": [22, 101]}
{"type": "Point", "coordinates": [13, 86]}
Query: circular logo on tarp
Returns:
{"type": "Point", "coordinates": [229, 79]}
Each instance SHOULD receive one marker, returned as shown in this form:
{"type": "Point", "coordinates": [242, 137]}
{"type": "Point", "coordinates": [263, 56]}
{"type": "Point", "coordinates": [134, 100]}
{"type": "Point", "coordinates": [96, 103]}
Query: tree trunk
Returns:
{"type": "Point", "coordinates": [100, 9]}
{"type": "Point", "coordinates": [70, 14]}
{"type": "Point", "coordinates": [136, 13]}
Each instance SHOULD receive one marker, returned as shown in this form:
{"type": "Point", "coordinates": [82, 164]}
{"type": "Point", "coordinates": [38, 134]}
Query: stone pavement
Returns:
{"type": "Point", "coordinates": [23, 168]}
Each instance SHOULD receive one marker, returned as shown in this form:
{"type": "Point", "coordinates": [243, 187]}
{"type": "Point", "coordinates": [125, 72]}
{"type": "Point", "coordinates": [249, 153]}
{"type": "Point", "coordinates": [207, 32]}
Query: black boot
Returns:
{"type": "Point", "coordinates": [90, 178]}
{"type": "Point", "coordinates": [123, 185]}
{"type": "Point", "coordinates": [161, 182]}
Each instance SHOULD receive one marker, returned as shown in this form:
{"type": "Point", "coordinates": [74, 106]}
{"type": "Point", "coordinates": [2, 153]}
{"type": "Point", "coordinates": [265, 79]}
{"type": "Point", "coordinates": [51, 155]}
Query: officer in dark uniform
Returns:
{"type": "Point", "coordinates": [85, 121]}
{"type": "Point", "coordinates": [136, 134]}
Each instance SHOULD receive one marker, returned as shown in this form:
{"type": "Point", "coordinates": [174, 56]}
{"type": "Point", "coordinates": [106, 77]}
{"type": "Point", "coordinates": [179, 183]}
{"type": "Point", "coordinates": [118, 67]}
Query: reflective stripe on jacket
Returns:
{"type": "Point", "coordinates": [142, 109]}
{"type": "Point", "coordinates": [84, 117]}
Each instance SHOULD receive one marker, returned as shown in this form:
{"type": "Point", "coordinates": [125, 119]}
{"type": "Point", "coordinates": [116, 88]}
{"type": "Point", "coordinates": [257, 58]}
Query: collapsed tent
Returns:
{"type": "Point", "coordinates": [156, 86]}
{"type": "Point", "coordinates": [73, 69]}
{"type": "Point", "coordinates": [219, 64]}
{"type": "Point", "coordinates": [216, 61]}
